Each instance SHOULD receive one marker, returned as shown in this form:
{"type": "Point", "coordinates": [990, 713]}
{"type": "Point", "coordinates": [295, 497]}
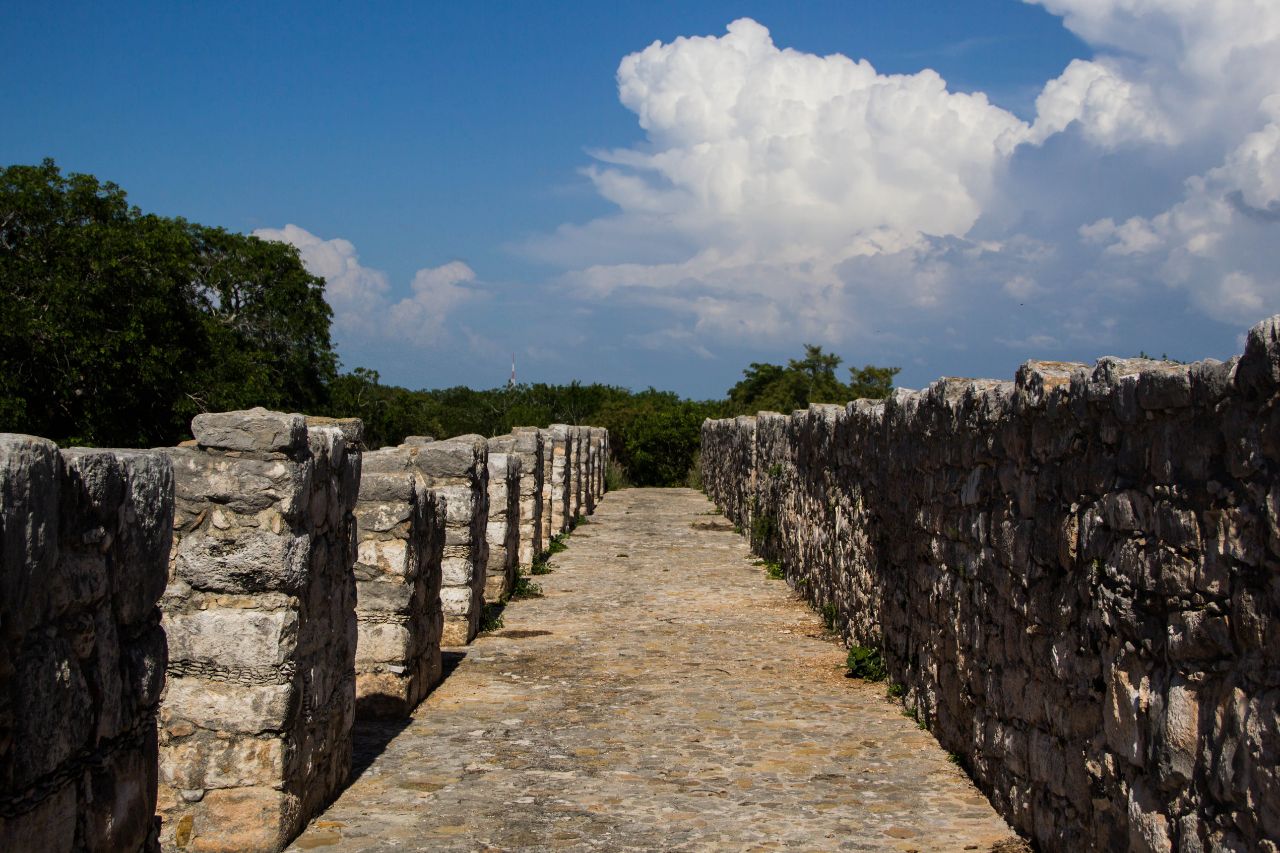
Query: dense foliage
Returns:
{"type": "Point", "coordinates": [119, 326]}
{"type": "Point", "coordinates": [812, 379]}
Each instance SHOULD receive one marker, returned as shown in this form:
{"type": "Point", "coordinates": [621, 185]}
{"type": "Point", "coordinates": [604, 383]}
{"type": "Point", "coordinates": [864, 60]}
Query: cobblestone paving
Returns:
{"type": "Point", "coordinates": [663, 694]}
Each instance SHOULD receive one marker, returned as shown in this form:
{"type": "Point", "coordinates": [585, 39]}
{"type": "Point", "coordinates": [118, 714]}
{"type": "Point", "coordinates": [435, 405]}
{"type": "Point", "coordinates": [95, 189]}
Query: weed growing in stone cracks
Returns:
{"type": "Point", "coordinates": [762, 528]}
{"type": "Point", "coordinates": [896, 690]}
{"type": "Point", "coordinates": [524, 588]}
{"type": "Point", "coordinates": [491, 618]}
{"type": "Point", "coordinates": [829, 614]}
{"type": "Point", "coordinates": [773, 571]}
{"type": "Point", "coordinates": [866, 663]}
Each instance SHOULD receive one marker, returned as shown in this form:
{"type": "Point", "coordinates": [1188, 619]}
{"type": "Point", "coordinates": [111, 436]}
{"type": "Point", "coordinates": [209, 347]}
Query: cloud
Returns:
{"type": "Point", "coordinates": [781, 196]}
{"type": "Point", "coordinates": [363, 307]}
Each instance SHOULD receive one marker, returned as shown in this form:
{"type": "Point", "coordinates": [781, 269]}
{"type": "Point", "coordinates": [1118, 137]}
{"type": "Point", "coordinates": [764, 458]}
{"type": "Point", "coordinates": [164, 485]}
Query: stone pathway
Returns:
{"type": "Point", "coordinates": [663, 695]}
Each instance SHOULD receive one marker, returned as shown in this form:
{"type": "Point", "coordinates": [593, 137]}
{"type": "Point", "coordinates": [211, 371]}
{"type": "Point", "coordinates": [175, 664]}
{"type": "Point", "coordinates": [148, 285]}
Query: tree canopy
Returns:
{"type": "Point", "coordinates": [119, 326]}
{"type": "Point", "coordinates": [812, 379]}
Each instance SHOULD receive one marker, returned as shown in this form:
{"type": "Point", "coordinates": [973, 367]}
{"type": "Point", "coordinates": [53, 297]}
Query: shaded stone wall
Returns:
{"type": "Point", "coordinates": [399, 618]}
{"type": "Point", "coordinates": [85, 537]}
{"type": "Point", "coordinates": [1072, 575]}
{"type": "Point", "coordinates": [503, 528]}
{"type": "Point", "coordinates": [255, 723]}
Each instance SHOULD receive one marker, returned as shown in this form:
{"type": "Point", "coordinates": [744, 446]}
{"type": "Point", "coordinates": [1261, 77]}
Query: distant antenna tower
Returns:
{"type": "Point", "coordinates": [511, 382]}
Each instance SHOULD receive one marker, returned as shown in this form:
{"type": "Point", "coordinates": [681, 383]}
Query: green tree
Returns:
{"type": "Point", "coordinates": [119, 326]}
{"type": "Point", "coordinates": [870, 382]}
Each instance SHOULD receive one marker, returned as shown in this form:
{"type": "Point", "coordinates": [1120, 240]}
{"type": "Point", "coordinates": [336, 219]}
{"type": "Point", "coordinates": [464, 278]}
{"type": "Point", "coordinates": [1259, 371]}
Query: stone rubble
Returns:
{"type": "Point", "coordinates": [1073, 576]}
{"type": "Point", "coordinates": [85, 536]}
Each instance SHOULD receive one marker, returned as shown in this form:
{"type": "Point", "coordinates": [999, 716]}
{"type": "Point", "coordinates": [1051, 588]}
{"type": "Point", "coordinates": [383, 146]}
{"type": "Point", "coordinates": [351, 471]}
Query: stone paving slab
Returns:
{"type": "Point", "coordinates": [662, 695]}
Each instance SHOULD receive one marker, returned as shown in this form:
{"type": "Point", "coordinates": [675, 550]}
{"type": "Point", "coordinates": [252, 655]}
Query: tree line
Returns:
{"type": "Point", "coordinates": [120, 326]}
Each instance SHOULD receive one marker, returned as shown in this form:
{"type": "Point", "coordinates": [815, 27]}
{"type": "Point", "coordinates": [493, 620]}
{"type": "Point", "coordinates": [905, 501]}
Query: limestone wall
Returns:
{"type": "Point", "coordinates": [399, 619]}
{"type": "Point", "coordinates": [457, 469]}
{"type": "Point", "coordinates": [255, 722]}
{"type": "Point", "coordinates": [1073, 576]}
{"type": "Point", "coordinates": [503, 528]}
{"type": "Point", "coordinates": [85, 538]}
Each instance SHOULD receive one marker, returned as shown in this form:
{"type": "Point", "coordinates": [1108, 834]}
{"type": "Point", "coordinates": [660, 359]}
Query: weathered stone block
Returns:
{"type": "Point", "coordinates": [260, 611]}
{"type": "Point", "coordinates": [84, 539]}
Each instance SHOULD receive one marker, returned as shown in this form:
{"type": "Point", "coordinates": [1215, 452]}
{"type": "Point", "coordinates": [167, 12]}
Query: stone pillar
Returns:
{"type": "Point", "coordinates": [602, 486]}
{"type": "Point", "coordinates": [561, 478]}
{"type": "Point", "coordinates": [503, 528]}
{"type": "Point", "coordinates": [255, 724]}
{"type": "Point", "coordinates": [457, 469]}
{"type": "Point", "coordinates": [548, 501]}
{"type": "Point", "coordinates": [399, 617]}
{"type": "Point", "coordinates": [598, 457]}
{"type": "Point", "coordinates": [528, 446]}
{"type": "Point", "coordinates": [85, 538]}
{"type": "Point", "coordinates": [579, 472]}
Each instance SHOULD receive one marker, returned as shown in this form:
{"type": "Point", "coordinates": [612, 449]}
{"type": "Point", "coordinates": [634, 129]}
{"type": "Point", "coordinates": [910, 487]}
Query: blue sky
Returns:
{"type": "Point", "coordinates": [483, 179]}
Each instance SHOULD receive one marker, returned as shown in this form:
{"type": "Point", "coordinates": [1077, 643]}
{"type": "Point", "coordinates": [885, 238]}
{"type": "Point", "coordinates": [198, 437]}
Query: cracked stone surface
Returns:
{"type": "Point", "coordinates": [663, 694]}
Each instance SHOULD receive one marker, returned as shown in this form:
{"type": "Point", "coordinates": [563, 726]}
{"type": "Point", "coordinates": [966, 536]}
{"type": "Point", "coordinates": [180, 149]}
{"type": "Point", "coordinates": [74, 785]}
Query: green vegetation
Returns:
{"type": "Point", "coordinates": [524, 588]}
{"type": "Point", "coordinates": [773, 571]}
{"type": "Point", "coordinates": [896, 690]}
{"type": "Point", "coordinates": [812, 379]}
{"type": "Point", "coordinates": [491, 617]}
{"type": "Point", "coordinates": [120, 326]}
{"type": "Point", "coordinates": [762, 528]}
{"type": "Point", "coordinates": [830, 613]}
{"type": "Point", "coordinates": [866, 662]}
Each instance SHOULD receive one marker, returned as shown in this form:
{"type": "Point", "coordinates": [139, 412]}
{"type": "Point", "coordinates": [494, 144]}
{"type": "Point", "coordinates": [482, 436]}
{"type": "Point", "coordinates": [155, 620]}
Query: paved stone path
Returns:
{"type": "Point", "coordinates": [663, 695]}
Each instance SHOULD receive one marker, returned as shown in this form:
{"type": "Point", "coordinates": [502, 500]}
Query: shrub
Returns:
{"type": "Point", "coordinates": [867, 663]}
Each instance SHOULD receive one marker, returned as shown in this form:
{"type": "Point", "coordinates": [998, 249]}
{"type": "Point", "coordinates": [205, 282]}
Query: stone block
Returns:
{"type": "Point", "coordinates": [84, 540]}
{"type": "Point", "coordinates": [260, 612]}
{"type": "Point", "coordinates": [252, 430]}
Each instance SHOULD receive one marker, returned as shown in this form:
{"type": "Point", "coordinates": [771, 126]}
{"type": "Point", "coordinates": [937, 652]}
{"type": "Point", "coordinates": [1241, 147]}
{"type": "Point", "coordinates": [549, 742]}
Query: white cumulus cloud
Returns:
{"type": "Point", "coordinates": [787, 195]}
{"type": "Point", "coordinates": [364, 308]}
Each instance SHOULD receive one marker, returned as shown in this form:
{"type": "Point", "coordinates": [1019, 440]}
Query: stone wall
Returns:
{"type": "Point", "coordinates": [1073, 576]}
{"type": "Point", "coordinates": [255, 723]}
{"type": "Point", "coordinates": [401, 529]}
{"type": "Point", "coordinates": [85, 536]}
{"type": "Point", "coordinates": [503, 528]}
